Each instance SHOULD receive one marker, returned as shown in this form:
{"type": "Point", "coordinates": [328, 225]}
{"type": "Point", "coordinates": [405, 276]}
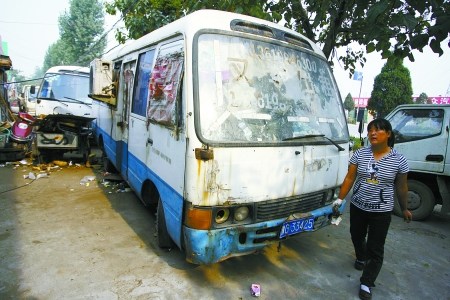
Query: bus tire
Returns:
{"type": "Point", "coordinates": [164, 240]}
{"type": "Point", "coordinates": [420, 201]}
{"type": "Point", "coordinates": [108, 166]}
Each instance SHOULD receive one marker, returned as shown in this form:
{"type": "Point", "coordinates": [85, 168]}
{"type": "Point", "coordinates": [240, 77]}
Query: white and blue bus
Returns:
{"type": "Point", "coordinates": [231, 126]}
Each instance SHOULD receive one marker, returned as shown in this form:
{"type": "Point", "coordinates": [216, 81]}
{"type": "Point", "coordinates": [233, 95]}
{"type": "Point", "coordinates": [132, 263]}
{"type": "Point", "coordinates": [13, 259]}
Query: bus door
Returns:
{"type": "Point", "coordinates": [166, 139]}
{"type": "Point", "coordinates": [122, 121]}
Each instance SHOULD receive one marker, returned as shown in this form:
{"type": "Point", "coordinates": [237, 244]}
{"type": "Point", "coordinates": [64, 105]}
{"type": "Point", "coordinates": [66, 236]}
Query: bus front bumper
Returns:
{"type": "Point", "coordinates": [215, 245]}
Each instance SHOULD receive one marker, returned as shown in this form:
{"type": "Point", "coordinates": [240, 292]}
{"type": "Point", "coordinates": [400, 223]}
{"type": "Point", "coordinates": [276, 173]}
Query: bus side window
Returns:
{"type": "Point", "coordinates": [141, 85]}
{"type": "Point", "coordinates": [164, 85]}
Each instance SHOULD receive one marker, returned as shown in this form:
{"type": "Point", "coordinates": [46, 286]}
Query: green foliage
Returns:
{"type": "Point", "coordinates": [349, 104]}
{"type": "Point", "coordinates": [356, 143]}
{"type": "Point", "coordinates": [422, 99]}
{"type": "Point", "coordinates": [56, 55]}
{"type": "Point", "coordinates": [391, 88]}
{"type": "Point", "coordinates": [80, 31]}
{"type": "Point", "coordinates": [393, 28]}
{"type": "Point", "coordinates": [144, 16]}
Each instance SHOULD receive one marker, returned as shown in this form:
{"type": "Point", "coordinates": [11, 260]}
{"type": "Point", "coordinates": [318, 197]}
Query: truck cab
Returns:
{"type": "Point", "coordinates": [422, 136]}
{"type": "Point", "coordinates": [29, 95]}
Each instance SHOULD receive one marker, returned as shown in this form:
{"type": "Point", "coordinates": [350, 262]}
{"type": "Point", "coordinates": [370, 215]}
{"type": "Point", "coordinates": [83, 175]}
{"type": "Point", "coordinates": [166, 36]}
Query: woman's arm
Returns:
{"type": "Point", "coordinates": [401, 185]}
{"type": "Point", "coordinates": [348, 181]}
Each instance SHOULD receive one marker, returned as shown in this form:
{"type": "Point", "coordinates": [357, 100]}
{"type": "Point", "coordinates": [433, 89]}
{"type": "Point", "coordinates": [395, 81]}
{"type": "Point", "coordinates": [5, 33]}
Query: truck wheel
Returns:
{"type": "Point", "coordinates": [420, 201]}
{"type": "Point", "coordinates": [164, 240]}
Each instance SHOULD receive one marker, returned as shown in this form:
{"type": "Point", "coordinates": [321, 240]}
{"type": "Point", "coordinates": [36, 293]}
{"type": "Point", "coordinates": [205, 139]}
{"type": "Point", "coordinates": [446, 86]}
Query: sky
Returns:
{"type": "Point", "coordinates": [430, 74]}
{"type": "Point", "coordinates": [31, 26]}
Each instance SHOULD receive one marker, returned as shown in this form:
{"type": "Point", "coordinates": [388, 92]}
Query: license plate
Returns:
{"type": "Point", "coordinates": [296, 226]}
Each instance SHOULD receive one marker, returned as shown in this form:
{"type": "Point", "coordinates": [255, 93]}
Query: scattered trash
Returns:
{"type": "Point", "coordinates": [41, 175]}
{"type": "Point", "coordinates": [336, 221]}
{"type": "Point", "coordinates": [122, 187]}
{"type": "Point", "coordinates": [256, 290]}
{"type": "Point", "coordinates": [86, 179]}
{"type": "Point", "coordinates": [60, 163]}
{"type": "Point", "coordinates": [33, 176]}
{"type": "Point", "coordinates": [44, 167]}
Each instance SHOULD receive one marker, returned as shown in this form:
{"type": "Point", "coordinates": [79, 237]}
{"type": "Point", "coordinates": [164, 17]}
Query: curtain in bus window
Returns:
{"type": "Point", "coordinates": [163, 88]}
{"type": "Point", "coordinates": [139, 105]}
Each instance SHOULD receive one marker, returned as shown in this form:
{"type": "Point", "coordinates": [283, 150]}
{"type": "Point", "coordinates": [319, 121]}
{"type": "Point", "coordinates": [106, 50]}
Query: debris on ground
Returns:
{"type": "Point", "coordinates": [85, 180]}
{"type": "Point", "coordinates": [255, 289]}
{"type": "Point", "coordinates": [60, 163]}
{"type": "Point", "coordinates": [33, 176]}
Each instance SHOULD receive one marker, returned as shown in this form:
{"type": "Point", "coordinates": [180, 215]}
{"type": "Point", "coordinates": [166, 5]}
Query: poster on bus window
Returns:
{"type": "Point", "coordinates": [163, 88]}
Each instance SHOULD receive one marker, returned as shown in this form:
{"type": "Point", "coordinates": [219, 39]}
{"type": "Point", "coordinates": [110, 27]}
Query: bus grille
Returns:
{"type": "Point", "coordinates": [281, 208]}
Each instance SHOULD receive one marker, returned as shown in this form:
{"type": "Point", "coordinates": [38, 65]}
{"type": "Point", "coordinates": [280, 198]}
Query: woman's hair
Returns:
{"type": "Point", "coordinates": [383, 124]}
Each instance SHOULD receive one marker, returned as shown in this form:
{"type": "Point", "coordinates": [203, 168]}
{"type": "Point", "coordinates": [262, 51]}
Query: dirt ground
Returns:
{"type": "Point", "coordinates": [76, 234]}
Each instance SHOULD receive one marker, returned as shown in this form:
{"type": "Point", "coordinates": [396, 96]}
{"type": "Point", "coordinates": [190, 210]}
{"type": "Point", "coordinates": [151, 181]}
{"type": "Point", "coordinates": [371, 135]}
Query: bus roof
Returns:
{"type": "Point", "coordinates": [206, 18]}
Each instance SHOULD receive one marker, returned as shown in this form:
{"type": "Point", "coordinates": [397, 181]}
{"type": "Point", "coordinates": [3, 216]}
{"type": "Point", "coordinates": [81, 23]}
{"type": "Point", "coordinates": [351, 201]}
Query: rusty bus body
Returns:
{"type": "Point", "coordinates": [231, 126]}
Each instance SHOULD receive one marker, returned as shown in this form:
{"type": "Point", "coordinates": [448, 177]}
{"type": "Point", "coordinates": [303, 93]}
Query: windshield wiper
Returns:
{"type": "Point", "coordinates": [76, 100]}
{"type": "Point", "coordinates": [314, 135]}
{"type": "Point", "coordinates": [52, 99]}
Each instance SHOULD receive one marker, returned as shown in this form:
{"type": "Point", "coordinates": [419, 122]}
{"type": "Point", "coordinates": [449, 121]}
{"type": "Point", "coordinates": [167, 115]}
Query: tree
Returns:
{"type": "Point", "coordinates": [393, 28]}
{"type": "Point", "coordinates": [17, 78]}
{"type": "Point", "coordinates": [349, 104]}
{"type": "Point", "coordinates": [422, 99]}
{"type": "Point", "coordinates": [391, 88]}
{"type": "Point", "coordinates": [143, 16]}
{"type": "Point", "coordinates": [56, 55]}
{"type": "Point", "coordinates": [81, 37]}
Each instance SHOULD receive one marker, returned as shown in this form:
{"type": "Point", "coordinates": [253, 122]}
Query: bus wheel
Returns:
{"type": "Point", "coordinates": [420, 201]}
{"type": "Point", "coordinates": [108, 166]}
{"type": "Point", "coordinates": [164, 240]}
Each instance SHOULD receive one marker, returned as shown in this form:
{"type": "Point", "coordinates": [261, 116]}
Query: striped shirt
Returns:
{"type": "Point", "coordinates": [374, 187]}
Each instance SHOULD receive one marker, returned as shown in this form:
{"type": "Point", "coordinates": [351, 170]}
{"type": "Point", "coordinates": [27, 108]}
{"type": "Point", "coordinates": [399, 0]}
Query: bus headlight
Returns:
{"type": "Point", "coordinates": [222, 215]}
{"type": "Point", "coordinates": [241, 213]}
{"type": "Point", "coordinates": [336, 192]}
{"type": "Point", "coordinates": [329, 196]}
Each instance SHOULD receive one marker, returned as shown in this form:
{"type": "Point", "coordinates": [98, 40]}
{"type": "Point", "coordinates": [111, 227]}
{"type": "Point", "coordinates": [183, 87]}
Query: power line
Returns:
{"type": "Point", "coordinates": [28, 23]}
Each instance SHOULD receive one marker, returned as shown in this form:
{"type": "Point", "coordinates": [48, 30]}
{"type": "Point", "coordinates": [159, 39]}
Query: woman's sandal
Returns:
{"type": "Point", "coordinates": [365, 293]}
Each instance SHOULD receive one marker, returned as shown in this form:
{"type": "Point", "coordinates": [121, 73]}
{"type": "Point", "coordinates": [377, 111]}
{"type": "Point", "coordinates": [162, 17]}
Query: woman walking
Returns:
{"type": "Point", "coordinates": [377, 170]}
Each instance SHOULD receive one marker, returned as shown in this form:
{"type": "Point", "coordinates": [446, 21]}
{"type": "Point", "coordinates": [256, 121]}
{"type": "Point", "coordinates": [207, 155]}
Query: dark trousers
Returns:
{"type": "Point", "coordinates": [375, 226]}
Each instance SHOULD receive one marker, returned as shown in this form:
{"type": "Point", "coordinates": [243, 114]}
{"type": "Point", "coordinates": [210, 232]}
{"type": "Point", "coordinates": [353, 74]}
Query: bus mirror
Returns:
{"type": "Point", "coordinates": [32, 89]}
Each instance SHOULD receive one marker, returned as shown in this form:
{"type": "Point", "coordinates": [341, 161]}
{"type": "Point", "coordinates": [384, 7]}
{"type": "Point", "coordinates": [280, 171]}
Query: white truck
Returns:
{"type": "Point", "coordinates": [64, 90]}
{"type": "Point", "coordinates": [422, 135]}
{"type": "Point", "coordinates": [28, 97]}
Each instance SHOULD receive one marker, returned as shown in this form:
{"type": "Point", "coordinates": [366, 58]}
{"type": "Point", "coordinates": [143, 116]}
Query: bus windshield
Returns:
{"type": "Point", "coordinates": [258, 92]}
{"type": "Point", "coordinates": [65, 87]}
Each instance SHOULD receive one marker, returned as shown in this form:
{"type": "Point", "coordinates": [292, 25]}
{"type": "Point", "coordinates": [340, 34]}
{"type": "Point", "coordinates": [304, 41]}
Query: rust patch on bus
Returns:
{"type": "Point", "coordinates": [316, 165]}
